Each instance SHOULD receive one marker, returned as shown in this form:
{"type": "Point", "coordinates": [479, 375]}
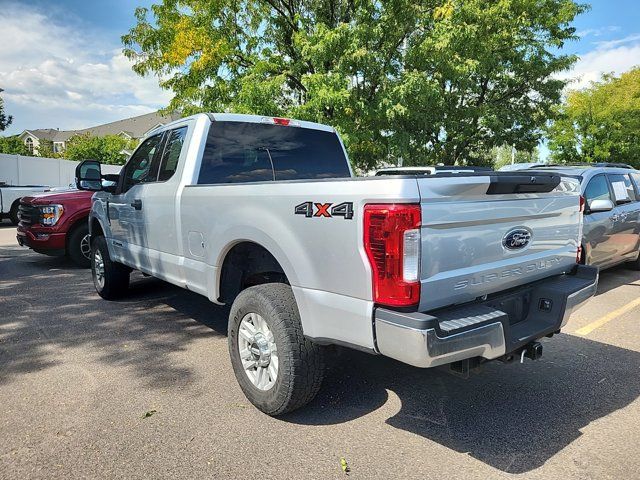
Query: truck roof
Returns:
{"type": "Point", "coordinates": [240, 117]}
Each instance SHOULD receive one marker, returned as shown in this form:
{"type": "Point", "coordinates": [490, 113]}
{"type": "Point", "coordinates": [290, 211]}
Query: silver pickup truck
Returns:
{"type": "Point", "coordinates": [263, 213]}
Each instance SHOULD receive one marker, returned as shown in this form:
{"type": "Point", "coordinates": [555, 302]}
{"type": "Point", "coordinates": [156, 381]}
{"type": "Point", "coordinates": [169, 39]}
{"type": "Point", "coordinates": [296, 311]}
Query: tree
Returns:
{"type": "Point", "coordinates": [13, 145]}
{"type": "Point", "coordinates": [108, 149]}
{"type": "Point", "coordinates": [5, 120]}
{"type": "Point", "coordinates": [502, 156]}
{"type": "Point", "coordinates": [45, 149]}
{"type": "Point", "coordinates": [428, 81]}
{"type": "Point", "coordinates": [600, 123]}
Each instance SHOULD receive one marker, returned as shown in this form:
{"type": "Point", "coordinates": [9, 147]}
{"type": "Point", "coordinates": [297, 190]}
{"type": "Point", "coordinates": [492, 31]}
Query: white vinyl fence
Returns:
{"type": "Point", "coordinates": [52, 172]}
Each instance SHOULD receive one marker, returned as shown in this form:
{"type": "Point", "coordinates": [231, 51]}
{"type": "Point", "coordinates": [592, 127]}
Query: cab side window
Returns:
{"type": "Point", "coordinates": [171, 153]}
{"type": "Point", "coordinates": [622, 188]}
{"type": "Point", "coordinates": [597, 189]}
{"type": "Point", "coordinates": [636, 180]}
{"type": "Point", "coordinates": [143, 165]}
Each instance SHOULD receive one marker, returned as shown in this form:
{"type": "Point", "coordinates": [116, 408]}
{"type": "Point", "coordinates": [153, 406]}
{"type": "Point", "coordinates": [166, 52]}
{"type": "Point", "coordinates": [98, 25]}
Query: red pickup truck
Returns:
{"type": "Point", "coordinates": [55, 223]}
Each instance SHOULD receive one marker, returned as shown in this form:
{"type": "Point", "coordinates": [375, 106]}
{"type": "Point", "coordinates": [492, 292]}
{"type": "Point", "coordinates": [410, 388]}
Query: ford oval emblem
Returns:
{"type": "Point", "coordinates": [516, 239]}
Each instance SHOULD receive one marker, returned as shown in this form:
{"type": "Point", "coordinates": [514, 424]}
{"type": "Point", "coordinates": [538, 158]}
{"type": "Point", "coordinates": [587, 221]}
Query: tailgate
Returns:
{"type": "Point", "coordinates": [481, 235]}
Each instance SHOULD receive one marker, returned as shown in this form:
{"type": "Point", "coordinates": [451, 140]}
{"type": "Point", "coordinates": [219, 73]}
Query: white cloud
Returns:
{"type": "Point", "coordinates": [606, 44]}
{"type": "Point", "coordinates": [615, 56]}
{"type": "Point", "coordinates": [63, 76]}
{"type": "Point", "coordinates": [597, 32]}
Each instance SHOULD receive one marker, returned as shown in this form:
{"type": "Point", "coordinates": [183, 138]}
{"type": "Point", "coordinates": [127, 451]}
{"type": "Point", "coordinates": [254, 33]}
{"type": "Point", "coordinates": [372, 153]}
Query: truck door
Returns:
{"type": "Point", "coordinates": [126, 208]}
{"type": "Point", "coordinates": [625, 214]}
{"type": "Point", "coordinates": [159, 221]}
{"type": "Point", "coordinates": [598, 226]}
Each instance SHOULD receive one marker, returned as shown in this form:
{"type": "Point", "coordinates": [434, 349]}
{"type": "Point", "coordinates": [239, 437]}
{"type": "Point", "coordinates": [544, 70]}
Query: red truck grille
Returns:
{"type": "Point", "coordinates": [27, 214]}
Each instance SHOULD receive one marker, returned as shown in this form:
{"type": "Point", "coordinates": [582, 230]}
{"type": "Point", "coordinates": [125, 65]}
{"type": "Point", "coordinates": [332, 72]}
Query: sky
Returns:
{"type": "Point", "coordinates": [61, 62]}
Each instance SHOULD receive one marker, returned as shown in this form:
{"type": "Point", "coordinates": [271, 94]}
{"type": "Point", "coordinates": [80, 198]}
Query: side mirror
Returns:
{"type": "Point", "coordinates": [600, 205]}
{"type": "Point", "coordinates": [89, 176]}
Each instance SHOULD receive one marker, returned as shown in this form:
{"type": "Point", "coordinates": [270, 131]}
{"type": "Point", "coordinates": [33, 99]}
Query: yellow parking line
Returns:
{"type": "Point", "coordinates": [587, 329]}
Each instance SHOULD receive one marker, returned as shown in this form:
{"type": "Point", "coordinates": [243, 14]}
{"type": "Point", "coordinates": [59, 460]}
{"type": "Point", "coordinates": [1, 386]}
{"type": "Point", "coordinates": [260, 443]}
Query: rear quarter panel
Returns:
{"type": "Point", "coordinates": [318, 253]}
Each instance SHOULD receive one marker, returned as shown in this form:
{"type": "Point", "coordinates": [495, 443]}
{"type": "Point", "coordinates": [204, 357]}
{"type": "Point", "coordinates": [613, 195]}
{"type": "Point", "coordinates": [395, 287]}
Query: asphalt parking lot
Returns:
{"type": "Point", "coordinates": [143, 388]}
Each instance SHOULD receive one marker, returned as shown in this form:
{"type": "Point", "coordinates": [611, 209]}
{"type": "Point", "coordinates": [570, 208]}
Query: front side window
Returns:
{"type": "Point", "coordinates": [622, 188]}
{"type": "Point", "coordinates": [171, 153]}
{"type": "Point", "coordinates": [238, 152]}
{"type": "Point", "coordinates": [597, 189]}
{"type": "Point", "coordinates": [143, 165]}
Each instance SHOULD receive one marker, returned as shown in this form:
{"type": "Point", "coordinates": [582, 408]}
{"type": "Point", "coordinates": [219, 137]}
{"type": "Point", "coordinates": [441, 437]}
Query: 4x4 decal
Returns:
{"type": "Point", "coordinates": [344, 209]}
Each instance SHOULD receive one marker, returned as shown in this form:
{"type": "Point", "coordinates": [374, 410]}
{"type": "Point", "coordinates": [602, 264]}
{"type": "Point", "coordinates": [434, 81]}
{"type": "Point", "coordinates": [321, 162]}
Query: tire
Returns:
{"type": "Point", "coordinates": [79, 246]}
{"type": "Point", "coordinates": [13, 213]}
{"type": "Point", "coordinates": [300, 365]}
{"type": "Point", "coordinates": [110, 279]}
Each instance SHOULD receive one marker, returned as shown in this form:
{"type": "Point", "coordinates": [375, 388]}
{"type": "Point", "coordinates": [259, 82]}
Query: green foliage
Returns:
{"type": "Point", "coordinates": [600, 123]}
{"type": "Point", "coordinates": [502, 156]}
{"type": "Point", "coordinates": [108, 149]}
{"type": "Point", "coordinates": [425, 82]}
{"type": "Point", "coordinates": [45, 149]}
{"type": "Point", "coordinates": [5, 120]}
{"type": "Point", "coordinates": [13, 145]}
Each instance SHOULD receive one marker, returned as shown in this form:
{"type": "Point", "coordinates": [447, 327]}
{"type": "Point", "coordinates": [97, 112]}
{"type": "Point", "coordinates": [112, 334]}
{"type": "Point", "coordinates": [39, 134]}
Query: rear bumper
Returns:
{"type": "Point", "coordinates": [488, 329]}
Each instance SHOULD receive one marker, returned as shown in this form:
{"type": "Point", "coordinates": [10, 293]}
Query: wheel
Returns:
{"type": "Point", "coordinates": [79, 246]}
{"type": "Point", "coordinates": [111, 279]}
{"type": "Point", "coordinates": [13, 213]}
{"type": "Point", "coordinates": [278, 369]}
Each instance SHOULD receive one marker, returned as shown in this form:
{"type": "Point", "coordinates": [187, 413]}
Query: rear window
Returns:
{"type": "Point", "coordinates": [238, 152]}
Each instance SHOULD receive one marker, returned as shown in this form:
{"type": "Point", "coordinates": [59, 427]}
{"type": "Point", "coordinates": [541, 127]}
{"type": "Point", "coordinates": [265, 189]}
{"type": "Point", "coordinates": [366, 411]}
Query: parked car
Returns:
{"type": "Point", "coordinates": [431, 170]}
{"type": "Point", "coordinates": [611, 231]}
{"type": "Point", "coordinates": [10, 199]}
{"type": "Point", "coordinates": [55, 223]}
{"type": "Point", "coordinates": [262, 213]}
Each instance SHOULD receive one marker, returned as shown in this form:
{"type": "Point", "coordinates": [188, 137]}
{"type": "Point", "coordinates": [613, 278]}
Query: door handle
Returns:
{"type": "Point", "coordinates": [137, 204]}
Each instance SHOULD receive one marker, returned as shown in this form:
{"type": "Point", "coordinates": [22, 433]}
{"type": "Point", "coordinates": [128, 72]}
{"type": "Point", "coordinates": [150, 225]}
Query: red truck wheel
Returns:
{"type": "Point", "coordinates": [78, 246]}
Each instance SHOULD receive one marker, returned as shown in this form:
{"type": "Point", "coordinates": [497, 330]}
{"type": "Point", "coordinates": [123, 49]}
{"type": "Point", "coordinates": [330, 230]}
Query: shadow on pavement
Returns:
{"type": "Point", "coordinates": [616, 277]}
{"type": "Point", "coordinates": [47, 306]}
{"type": "Point", "coordinates": [512, 417]}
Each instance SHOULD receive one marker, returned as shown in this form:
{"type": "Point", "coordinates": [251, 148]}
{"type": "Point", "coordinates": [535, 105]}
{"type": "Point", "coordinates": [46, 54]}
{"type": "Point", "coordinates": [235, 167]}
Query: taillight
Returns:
{"type": "Point", "coordinates": [579, 249]}
{"type": "Point", "coordinates": [392, 243]}
{"type": "Point", "coordinates": [281, 121]}
{"type": "Point", "coordinates": [285, 122]}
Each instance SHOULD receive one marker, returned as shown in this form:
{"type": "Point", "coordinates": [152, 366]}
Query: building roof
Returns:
{"type": "Point", "coordinates": [42, 133]}
{"type": "Point", "coordinates": [135, 127]}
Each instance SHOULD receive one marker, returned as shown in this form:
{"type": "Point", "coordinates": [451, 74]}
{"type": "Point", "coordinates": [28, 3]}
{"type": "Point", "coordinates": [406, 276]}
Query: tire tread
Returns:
{"type": "Point", "coordinates": [304, 372]}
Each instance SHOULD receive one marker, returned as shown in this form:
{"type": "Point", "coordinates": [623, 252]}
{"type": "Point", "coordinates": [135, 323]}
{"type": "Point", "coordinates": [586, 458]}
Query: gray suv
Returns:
{"type": "Point", "coordinates": [611, 232]}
